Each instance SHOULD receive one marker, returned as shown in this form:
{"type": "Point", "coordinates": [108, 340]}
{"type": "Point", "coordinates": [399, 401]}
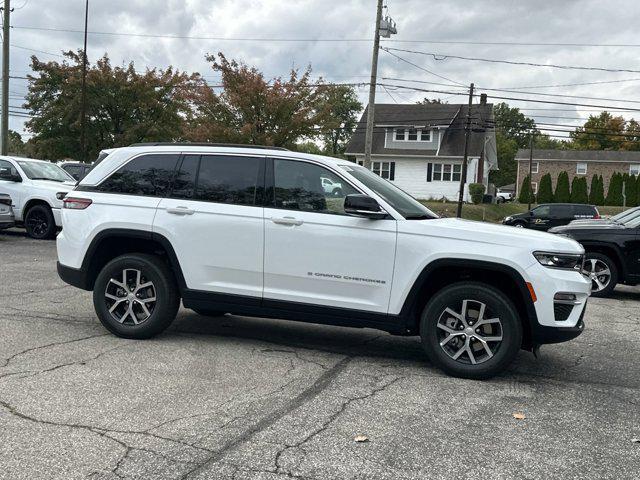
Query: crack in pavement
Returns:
{"type": "Point", "coordinates": [311, 392]}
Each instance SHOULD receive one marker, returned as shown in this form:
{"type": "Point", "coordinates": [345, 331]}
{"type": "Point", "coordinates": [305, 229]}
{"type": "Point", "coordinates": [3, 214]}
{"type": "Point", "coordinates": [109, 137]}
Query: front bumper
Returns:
{"type": "Point", "coordinates": [542, 335]}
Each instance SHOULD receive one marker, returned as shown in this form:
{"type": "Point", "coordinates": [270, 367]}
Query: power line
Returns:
{"type": "Point", "coordinates": [440, 57]}
{"type": "Point", "coordinates": [422, 68]}
{"type": "Point", "coordinates": [37, 51]}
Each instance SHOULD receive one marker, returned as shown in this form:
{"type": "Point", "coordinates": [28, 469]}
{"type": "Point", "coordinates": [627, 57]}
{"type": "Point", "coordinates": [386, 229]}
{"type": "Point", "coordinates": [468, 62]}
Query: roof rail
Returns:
{"type": "Point", "coordinates": [205, 144]}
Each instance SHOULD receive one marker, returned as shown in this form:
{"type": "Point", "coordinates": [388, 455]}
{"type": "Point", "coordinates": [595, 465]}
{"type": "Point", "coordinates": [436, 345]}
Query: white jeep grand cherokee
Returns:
{"type": "Point", "coordinates": [251, 231]}
{"type": "Point", "coordinates": [36, 188]}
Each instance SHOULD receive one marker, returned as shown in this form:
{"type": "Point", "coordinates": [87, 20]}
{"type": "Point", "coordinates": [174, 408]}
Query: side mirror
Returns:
{"type": "Point", "coordinates": [5, 174]}
{"type": "Point", "coordinates": [359, 205]}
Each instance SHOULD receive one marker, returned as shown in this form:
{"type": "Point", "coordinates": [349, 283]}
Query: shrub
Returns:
{"type": "Point", "coordinates": [526, 195]}
{"type": "Point", "coordinates": [596, 192]}
{"type": "Point", "coordinates": [631, 190]}
{"type": "Point", "coordinates": [579, 190]}
{"type": "Point", "coordinates": [545, 189]}
{"type": "Point", "coordinates": [562, 193]}
{"type": "Point", "coordinates": [614, 194]}
{"type": "Point", "coordinates": [476, 190]}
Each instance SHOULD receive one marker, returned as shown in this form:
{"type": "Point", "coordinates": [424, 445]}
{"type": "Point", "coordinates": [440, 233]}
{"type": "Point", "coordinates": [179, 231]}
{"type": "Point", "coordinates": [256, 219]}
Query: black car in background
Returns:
{"type": "Point", "coordinates": [548, 215]}
{"type": "Point", "coordinates": [612, 251]}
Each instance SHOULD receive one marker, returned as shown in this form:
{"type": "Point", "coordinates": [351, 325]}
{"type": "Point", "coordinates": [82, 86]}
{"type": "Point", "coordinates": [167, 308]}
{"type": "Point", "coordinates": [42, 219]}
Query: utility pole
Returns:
{"type": "Point", "coordinates": [4, 130]}
{"type": "Point", "coordinates": [467, 132]}
{"type": "Point", "coordinates": [83, 114]}
{"type": "Point", "coordinates": [368, 139]}
{"type": "Point", "coordinates": [530, 170]}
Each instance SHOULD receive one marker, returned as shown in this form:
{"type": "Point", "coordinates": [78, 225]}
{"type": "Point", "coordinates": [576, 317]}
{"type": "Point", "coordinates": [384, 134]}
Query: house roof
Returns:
{"type": "Point", "coordinates": [452, 116]}
{"type": "Point", "coordinates": [580, 155]}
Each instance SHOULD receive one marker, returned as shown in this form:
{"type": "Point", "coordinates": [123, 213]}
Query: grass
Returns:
{"type": "Point", "coordinates": [493, 212]}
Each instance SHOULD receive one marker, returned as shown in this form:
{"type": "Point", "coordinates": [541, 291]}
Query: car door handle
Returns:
{"type": "Point", "coordinates": [180, 211]}
{"type": "Point", "coordinates": [287, 221]}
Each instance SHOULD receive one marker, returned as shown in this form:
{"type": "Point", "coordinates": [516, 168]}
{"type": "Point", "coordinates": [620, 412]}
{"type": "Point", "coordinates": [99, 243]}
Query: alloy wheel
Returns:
{"type": "Point", "coordinates": [38, 223]}
{"type": "Point", "coordinates": [130, 299]}
{"type": "Point", "coordinates": [599, 273]}
{"type": "Point", "coordinates": [470, 336]}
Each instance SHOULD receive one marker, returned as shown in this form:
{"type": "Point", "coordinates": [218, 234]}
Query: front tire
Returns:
{"type": "Point", "coordinates": [471, 330]}
{"type": "Point", "coordinates": [603, 272]}
{"type": "Point", "coordinates": [39, 222]}
{"type": "Point", "coordinates": [136, 296]}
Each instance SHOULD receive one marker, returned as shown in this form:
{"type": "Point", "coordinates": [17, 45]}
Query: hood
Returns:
{"type": "Point", "coordinates": [596, 227]}
{"type": "Point", "coordinates": [52, 186]}
{"type": "Point", "coordinates": [493, 234]}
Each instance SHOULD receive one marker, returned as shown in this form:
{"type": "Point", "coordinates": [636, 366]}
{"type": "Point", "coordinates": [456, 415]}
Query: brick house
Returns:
{"type": "Point", "coordinates": [420, 147]}
{"type": "Point", "coordinates": [577, 163]}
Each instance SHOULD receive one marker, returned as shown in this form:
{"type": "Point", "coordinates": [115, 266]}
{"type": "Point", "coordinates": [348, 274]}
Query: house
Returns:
{"type": "Point", "coordinates": [420, 147]}
{"type": "Point", "coordinates": [576, 163]}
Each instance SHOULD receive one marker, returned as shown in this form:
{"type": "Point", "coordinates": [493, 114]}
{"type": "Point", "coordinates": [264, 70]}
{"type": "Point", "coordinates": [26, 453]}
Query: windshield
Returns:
{"type": "Point", "coordinates": [402, 202]}
{"type": "Point", "coordinates": [44, 171]}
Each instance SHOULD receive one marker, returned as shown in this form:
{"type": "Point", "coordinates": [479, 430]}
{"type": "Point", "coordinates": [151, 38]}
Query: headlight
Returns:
{"type": "Point", "coordinates": [565, 261]}
{"type": "Point", "coordinates": [506, 219]}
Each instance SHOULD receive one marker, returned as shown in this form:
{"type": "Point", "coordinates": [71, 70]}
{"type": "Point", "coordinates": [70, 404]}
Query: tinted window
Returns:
{"type": "Point", "coordinates": [184, 183]}
{"type": "Point", "coordinates": [308, 187]}
{"type": "Point", "coordinates": [145, 175]}
{"type": "Point", "coordinates": [228, 179]}
{"type": "Point", "coordinates": [584, 210]}
{"type": "Point", "coordinates": [542, 211]}
{"type": "Point", "coordinates": [562, 211]}
{"type": "Point", "coordinates": [8, 168]}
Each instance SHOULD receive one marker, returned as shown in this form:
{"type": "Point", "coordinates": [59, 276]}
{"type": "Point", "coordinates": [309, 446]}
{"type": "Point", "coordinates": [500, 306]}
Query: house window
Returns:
{"type": "Point", "coordinates": [412, 135]}
{"type": "Point", "coordinates": [581, 169]}
{"type": "Point", "coordinates": [383, 169]}
{"type": "Point", "coordinates": [534, 187]}
{"type": "Point", "coordinates": [634, 169]}
{"type": "Point", "coordinates": [360, 162]}
{"type": "Point", "coordinates": [446, 172]}
{"type": "Point", "coordinates": [534, 167]}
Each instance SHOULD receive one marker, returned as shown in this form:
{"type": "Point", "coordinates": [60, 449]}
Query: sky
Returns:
{"type": "Point", "coordinates": [335, 39]}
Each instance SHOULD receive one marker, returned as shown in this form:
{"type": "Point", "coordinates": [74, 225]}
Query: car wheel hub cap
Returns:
{"type": "Point", "coordinates": [469, 333]}
{"type": "Point", "coordinates": [130, 297]}
{"type": "Point", "coordinates": [599, 273]}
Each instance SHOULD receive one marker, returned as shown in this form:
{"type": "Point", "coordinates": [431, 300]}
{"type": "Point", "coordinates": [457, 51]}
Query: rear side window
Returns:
{"type": "Point", "coordinates": [562, 211]}
{"type": "Point", "coordinates": [228, 179]}
{"type": "Point", "coordinates": [184, 185]}
{"type": "Point", "coordinates": [148, 175]}
{"type": "Point", "coordinates": [584, 210]}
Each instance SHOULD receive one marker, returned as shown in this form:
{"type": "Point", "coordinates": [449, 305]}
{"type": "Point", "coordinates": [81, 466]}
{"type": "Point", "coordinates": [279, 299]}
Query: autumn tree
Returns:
{"type": "Point", "coordinates": [123, 106]}
{"type": "Point", "coordinates": [606, 132]}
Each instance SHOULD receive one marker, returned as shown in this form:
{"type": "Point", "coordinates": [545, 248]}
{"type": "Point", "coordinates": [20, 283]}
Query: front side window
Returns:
{"type": "Point", "coordinates": [8, 169]}
{"type": "Point", "coordinates": [382, 169]}
{"type": "Point", "coordinates": [299, 186]}
{"type": "Point", "coordinates": [147, 175]}
{"type": "Point", "coordinates": [44, 171]}
{"type": "Point", "coordinates": [228, 179]}
{"type": "Point", "coordinates": [581, 169]}
{"type": "Point", "coordinates": [634, 169]}
{"type": "Point", "coordinates": [542, 211]}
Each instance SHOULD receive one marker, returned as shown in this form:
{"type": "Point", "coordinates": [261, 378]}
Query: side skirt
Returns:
{"type": "Point", "coordinates": [302, 312]}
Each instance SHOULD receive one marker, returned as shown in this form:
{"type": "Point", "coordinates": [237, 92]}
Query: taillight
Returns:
{"type": "Point", "coordinates": [5, 201]}
{"type": "Point", "coordinates": [597, 216]}
{"type": "Point", "coordinates": [76, 203]}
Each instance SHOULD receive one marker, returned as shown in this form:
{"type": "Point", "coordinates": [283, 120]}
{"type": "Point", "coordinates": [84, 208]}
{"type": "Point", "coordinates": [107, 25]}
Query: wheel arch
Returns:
{"type": "Point", "coordinates": [610, 250]}
{"type": "Point", "coordinates": [111, 243]}
{"type": "Point", "coordinates": [32, 202]}
{"type": "Point", "coordinates": [440, 273]}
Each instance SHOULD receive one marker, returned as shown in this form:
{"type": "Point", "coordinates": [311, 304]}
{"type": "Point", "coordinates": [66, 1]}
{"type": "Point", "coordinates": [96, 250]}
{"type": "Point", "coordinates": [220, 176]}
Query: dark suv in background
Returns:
{"type": "Point", "coordinates": [548, 215]}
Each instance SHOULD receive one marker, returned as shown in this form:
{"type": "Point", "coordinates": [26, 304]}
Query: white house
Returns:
{"type": "Point", "coordinates": [420, 147]}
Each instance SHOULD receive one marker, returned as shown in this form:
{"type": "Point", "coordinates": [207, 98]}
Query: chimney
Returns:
{"type": "Point", "coordinates": [483, 99]}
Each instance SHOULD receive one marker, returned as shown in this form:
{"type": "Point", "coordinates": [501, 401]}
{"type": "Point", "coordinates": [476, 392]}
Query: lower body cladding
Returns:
{"type": "Point", "coordinates": [560, 303]}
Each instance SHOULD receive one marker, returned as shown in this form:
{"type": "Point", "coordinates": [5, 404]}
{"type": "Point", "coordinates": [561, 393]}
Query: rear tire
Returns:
{"type": "Point", "coordinates": [602, 263]}
{"type": "Point", "coordinates": [136, 296]}
{"type": "Point", "coordinates": [471, 330]}
{"type": "Point", "coordinates": [39, 222]}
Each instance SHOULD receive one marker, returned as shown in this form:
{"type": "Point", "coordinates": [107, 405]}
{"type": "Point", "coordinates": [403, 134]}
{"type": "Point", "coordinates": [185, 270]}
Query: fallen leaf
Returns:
{"type": "Point", "coordinates": [361, 438]}
{"type": "Point", "coordinates": [519, 416]}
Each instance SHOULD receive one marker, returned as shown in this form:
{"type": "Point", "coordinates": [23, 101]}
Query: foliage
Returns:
{"type": "Point", "coordinates": [545, 189]}
{"type": "Point", "coordinates": [476, 190]}
{"type": "Point", "coordinates": [431, 101]}
{"type": "Point", "coordinates": [16, 146]}
{"type": "Point", "coordinates": [631, 190]}
{"type": "Point", "coordinates": [562, 193]}
{"type": "Point", "coordinates": [579, 192]}
{"type": "Point", "coordinates": [308, 147]}
{"type": "Point", "coordinates": [526, 195]}
{"type": "Point", "coordinates": [123, 106]}
{"type": "Point", "coordinates": [596, 192]}
{"type": "Point", "coordinates": [614, 194]}
{"type": "Point", "coordinates": [606, 132]}
{"type": "Point", "coordinates": [344, 106]}
{"type": "Point", "coordinates": [507, 149]}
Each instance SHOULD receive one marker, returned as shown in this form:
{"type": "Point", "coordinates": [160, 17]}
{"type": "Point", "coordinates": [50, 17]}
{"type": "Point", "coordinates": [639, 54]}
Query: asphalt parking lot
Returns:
{"type": "Point", "coordinates": [245, 398]}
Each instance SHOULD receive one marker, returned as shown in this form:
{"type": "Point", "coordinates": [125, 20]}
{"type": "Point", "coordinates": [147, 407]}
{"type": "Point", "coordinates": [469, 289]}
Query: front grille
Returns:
{"type": "Point", "coordinates": [562, 311]}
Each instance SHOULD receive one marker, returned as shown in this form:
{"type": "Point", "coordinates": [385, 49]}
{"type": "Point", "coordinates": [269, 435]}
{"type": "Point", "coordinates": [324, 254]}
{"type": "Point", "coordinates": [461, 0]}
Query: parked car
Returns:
{"type": "Point", "coordinates": [252, 231]}
{"type": "Point", "coordinates": [502, 197]}
{"type": "Point", "coordinates": [545, 216]}
{"type": "Point", "coordinates": [612, 252]}
{"type": "Point", "coordinates": [36, 188]}
{"type": "Point", "coordinates": [7, 218]}
{"type": "Point", "coordinates": [629, 213]}
{"type": "Point", "coordinates": [331, 187]}
{"type": "Point", "coordinates": [77, 170]}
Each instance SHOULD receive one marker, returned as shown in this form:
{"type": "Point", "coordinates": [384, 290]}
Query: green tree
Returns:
{"type": "Point", "coordinates": [637, 189]}
{"type": "Point", "coordinates": [562, 193]}
{"type": "Point", "coordinates": [526, 195]}
{"type": "Point", "coordinates": [600, 197]}
{"type": "Point", "coordinates": [344, 107]}
{"type": "Point", "coordinates": [16, 146]}
{"type": "Point", "coordinates": [614, 194]}
{"type": "Point", "coordinates": [630, 190]}
{"type": "Point", "coordinates": [123, 106]}
{"type": "Point", "coordinates": [579, 190]}
{"type": "Point", "coordinates": [545, 189]}
{"type": "Point", "coordinates": [593, 190]}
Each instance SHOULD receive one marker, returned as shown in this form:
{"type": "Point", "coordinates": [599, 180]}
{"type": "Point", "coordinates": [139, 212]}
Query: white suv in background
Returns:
{"type": "Point", "coordinates": [252, 231]}
{"type": "Point", "coordinates": [36, 188]}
